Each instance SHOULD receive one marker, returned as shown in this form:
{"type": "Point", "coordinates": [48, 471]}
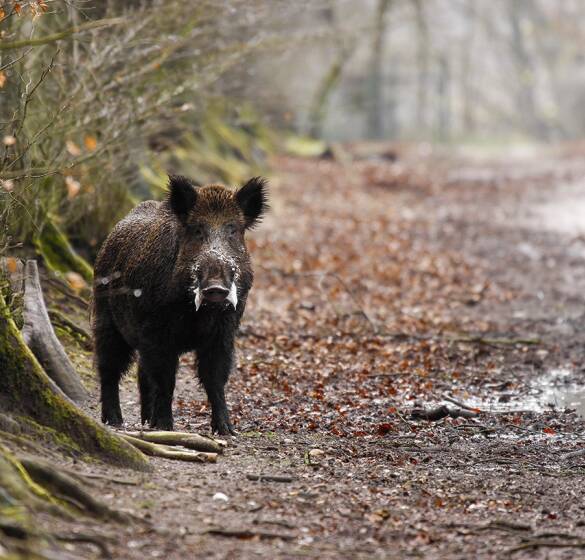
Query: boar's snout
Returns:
{"type": "Point", "coordinates": [215, 293]}
{"type": "Point", "coordinates": [216, 282]}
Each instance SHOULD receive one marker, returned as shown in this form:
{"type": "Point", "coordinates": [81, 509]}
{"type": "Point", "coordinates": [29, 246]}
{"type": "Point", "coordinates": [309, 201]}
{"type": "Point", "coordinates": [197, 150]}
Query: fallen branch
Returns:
{"type": "Point", "coordinates": [269, 478]}
{"type": "Point", "coordinates": [435, 414]}
{"type": "Point", "coordinates": [248, 534]}
{"type": "Point", "coordinates": [167, 452]}
{"type": "Point", "coordinates": [183, 439]}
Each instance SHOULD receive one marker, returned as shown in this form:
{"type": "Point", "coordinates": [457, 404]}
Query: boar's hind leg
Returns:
{"type": "Point", "coordinates": [113, 356]}
{"type": "Point", "coordinates": [158, 369]}
{"type": "Point", "coordinates": [215, 363]}
{"type": "Point", "coordinates": [145, 389]}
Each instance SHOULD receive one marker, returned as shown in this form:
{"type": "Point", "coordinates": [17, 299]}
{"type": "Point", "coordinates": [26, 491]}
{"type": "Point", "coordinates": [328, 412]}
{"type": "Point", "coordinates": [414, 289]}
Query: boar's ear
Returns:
{"type": "Point", "coordinates": [253, 200]}
{"type": "Point", "coordinates": [182, 194]}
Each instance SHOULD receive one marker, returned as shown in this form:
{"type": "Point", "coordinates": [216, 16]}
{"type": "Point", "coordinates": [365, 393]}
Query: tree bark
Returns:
{"type": "Point", "coordinates": [26, 390]}
{"type": "Point", "coordinates": [39, 336]}
{"type": "Point", "coordinates": [375, 93]}
{"type": "Point", "coordinates": [423, 64]}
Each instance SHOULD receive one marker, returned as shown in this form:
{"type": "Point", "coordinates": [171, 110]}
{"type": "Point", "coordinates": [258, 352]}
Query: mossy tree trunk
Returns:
{"type": "Point", "coordinates": [52, 244]}
{"type": "Point", "coordinates": [26, 390]}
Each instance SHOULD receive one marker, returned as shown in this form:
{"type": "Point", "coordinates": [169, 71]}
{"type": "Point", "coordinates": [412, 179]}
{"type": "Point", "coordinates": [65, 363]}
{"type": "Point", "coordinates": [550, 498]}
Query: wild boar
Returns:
{"type": "Point", "coordinates": [173, 277]}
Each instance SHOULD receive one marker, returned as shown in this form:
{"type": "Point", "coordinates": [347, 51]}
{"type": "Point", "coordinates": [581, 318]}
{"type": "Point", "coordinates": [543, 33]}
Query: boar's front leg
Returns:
{"type": "Point", "coordinates": [146, 395]}
{"type": "Point", "coordinates": [215, 363]}
{"type": "Point", "coordinates": [157, 374]}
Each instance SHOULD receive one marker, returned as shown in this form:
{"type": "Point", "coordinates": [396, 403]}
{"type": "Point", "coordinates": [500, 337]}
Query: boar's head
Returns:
{"type": "Point", "coordinates": [212, 249]}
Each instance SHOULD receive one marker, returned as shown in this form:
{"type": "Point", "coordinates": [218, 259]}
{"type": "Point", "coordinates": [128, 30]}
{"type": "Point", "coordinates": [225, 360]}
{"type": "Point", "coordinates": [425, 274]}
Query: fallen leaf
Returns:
{"type": "Point", "coordinates": [73, 187]}
{"type": "Point", "coordinates": [384, 428]}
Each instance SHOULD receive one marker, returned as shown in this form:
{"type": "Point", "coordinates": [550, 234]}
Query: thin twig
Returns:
{"type": "Point", "coordinates": [546, 544]}
{"type": "Point", "coordinates": [269, 477]}
{"type": "Point", "coordinates": [9, 45]}
{"type": "Point", "coordinates": [249, 534]}
{"type": "Point", "coordinates": [461, 405]}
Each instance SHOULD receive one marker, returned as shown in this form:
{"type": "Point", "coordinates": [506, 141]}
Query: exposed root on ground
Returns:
{"type": "Point", "coordinates": [168, 452]}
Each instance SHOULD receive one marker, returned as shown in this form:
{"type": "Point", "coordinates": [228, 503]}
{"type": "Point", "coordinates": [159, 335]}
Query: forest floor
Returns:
{"type": "Point", "coordinates": [384, 285]}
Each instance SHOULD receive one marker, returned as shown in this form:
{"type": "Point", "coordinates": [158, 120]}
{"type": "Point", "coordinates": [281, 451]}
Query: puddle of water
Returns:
{"type": "Point", "coordinates": [564, 213]}
{"type": "Point", "coordinates": [557, 390]}
{"type": "Point", "coordinates": [554, 389]}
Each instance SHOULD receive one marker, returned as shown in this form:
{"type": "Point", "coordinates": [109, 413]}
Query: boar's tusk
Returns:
{"type": "Point", "coordinates": [198, 298]}
{"type": "Point", "coordinates": [233, 295]}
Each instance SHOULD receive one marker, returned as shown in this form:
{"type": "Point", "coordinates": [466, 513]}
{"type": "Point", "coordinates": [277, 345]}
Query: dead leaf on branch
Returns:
{"type": "Point", "coordinates": [73, 187]}
{"type": "Point", "coordinates": [90, 142]}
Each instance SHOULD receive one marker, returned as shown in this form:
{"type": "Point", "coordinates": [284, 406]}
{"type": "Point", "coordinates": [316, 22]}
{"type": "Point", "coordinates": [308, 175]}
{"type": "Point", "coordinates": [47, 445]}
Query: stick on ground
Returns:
{"type": "Point", "coordinates": [167, 452]}
{"type": "Point", "coordinates": [183, 439]}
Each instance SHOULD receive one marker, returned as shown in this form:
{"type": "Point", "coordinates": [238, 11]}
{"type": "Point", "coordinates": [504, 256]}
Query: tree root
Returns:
{"type": "Point", "coordinates": [40, 337]}
{"type": "Point", "coordinates": [67, 489]}
{"type": "Point", "coordinates": [92, 476]}
{"type": "Point", "coordinates": [168, 452]}
{"type": "Point", "coordinates": [96, 540]}
{"type": "Point", "coordinates": [183, 439]}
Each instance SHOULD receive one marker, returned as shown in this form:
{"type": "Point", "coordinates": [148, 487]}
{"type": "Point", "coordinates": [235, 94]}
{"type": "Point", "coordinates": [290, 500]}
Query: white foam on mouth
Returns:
{"type": "Point", "coordinates": [198, 298]}
{"type": "Point", "coordinates": [232, 296]}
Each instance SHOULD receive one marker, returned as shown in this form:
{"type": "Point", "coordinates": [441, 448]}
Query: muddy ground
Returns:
{"type": "Point", "coordinates": [381, 287]}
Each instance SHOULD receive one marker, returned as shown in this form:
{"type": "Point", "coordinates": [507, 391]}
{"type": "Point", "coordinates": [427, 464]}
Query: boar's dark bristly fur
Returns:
{"type": "Point", "coordinates": [173, 277]}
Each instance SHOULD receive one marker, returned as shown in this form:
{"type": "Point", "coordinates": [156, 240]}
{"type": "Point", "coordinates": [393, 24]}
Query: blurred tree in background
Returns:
{"type": "Point", "coordinates": [99, 99]}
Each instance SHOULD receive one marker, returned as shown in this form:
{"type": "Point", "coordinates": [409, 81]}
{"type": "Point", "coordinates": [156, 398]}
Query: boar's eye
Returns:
{"type": "Point", "coordinates": [232, 230]}
{"type": "Point", "coordinates": [197, 232]}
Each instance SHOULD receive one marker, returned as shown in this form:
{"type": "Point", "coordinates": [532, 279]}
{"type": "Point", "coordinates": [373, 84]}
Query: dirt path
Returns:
{"type": "Point", "coordinates": [382, 287]}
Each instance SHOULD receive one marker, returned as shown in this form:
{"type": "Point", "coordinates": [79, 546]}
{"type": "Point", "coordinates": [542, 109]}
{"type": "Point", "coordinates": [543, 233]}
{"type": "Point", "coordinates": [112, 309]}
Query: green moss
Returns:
{"type": "Point", "coordinates": [52, 244]}
{"type": "Point", "coordinates": [229, 145]}
{"type": "Point", "coordinates": [50, 436]}
{"type": "Point", "coordinates": [27, 390]}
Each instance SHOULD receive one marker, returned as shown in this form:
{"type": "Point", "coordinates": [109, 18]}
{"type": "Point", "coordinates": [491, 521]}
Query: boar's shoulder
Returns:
{"type": "Point", "coordinates": [141, 250]}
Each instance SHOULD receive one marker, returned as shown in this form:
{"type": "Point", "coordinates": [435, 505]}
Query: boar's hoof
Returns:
{"type": "Point", "coordinates": [223, 427]}
{"type": "Point", "coordinates": [165, 424]}
{"type": "Point", "coordinates": [112, 417]}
